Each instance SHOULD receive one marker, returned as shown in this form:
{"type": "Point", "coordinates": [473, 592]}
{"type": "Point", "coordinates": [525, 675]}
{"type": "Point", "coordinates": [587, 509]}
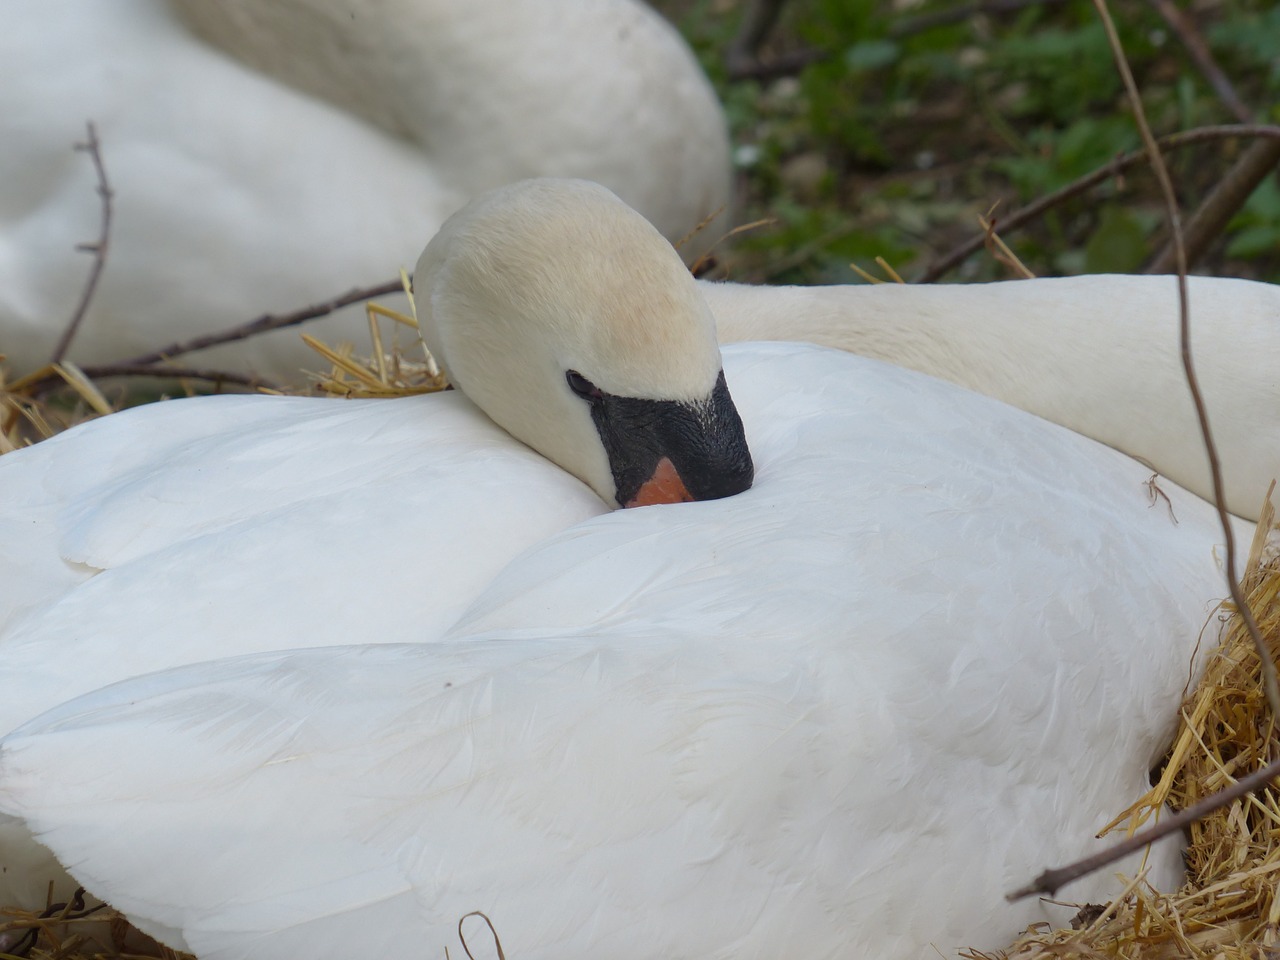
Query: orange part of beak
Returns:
{"type": "Point", "coordinates": [665, 486]}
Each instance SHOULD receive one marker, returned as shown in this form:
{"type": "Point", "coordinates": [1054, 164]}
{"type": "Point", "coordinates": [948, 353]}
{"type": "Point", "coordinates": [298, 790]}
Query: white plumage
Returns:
{"type": "Point", "coordinates": [932, 650]}
{"type": "Point", "coordinates": [1097, 354]}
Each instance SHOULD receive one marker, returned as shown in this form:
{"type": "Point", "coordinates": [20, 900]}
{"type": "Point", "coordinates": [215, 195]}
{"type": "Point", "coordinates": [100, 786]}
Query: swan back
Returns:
{"type": "Point", "coordinates": [1097, 354]}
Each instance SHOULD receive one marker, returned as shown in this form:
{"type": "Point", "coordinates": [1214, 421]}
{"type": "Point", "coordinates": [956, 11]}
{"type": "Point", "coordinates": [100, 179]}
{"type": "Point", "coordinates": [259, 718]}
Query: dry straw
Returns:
{"type": "Point", "coordinates": [25, 418]}
{"type": "Point", "coordinates": [75, 932]}
{"type": "Point", "coordinates": [392, 369]}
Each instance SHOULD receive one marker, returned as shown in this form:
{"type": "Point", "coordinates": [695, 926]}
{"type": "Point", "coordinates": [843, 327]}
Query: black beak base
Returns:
{"type": "Point", "coordinates": [704, 441]}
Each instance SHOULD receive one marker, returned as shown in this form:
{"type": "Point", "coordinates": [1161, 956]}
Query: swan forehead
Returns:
{"type": "Point", "coordinates": [636, 330]}
{"type": "Point", "coordinates": [588, 283]}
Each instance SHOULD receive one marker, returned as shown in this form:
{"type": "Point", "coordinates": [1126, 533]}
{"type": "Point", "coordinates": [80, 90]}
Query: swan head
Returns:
{"type": "Point", "coordinates": [566, 317]}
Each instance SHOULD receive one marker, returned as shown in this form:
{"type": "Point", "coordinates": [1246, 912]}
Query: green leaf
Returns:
{"type": "Point", "coordinates": [1255, 242]}
{"type": "Point", "coordinates": [871, 54]}
{"type": "Point", "coordinates": [1119, 245]}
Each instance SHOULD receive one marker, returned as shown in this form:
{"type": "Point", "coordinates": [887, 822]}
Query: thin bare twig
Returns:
{"type": "Point", "coordinates": [783, 65]}
{"type": "Point", "coordinates": [707, 262]}
{"type": "Point", "coordinates": [99, 249]}
{"type": "Point", "coordinates": [909, 26]}
{"type": "Point", "coordinates": [1202, 57]}
{"type": "Point", "coordinates": [156, 362]}
{"type": "Point", "coordinates": [1000, 251]}
{"type": "Point", "coordinates": [1053, 880]}
{"type": "Point", "coordinates": [497, 941]}
{"type": "Point", "coordinates": [40, 384]}
{"type": "Point", "coordinates": [742, 59]}
{"type": "Point", "coordinates": [1023, 215]}
{"type": "Point", "coordinates": [743, 56]}
{"type": "Point", "coordinates": [175, 373]}
{"type": "Point", "coordinates": [1250, 169]}
{"type": "Point", "coordinates": [262, 324]}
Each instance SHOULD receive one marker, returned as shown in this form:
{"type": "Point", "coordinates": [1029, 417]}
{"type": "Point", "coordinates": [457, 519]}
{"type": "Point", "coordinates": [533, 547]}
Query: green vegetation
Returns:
{"type": "Point", "coordinates": [908, 128]}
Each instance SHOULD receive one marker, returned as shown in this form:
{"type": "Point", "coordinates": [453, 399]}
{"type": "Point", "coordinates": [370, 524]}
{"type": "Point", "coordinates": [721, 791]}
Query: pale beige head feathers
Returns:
{"type": "Point", "coordinates": [546, 276]}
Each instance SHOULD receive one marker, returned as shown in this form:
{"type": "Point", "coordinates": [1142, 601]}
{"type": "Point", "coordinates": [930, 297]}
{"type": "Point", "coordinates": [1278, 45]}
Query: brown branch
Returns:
{"type": "Point", "coordinates": [909, 26]}
{"type": "Point", "coordinates": [1202, 57]}
{"type": "Point", "coordinates": [155, 363]}
{"type": "Point", "coordinates": [743, 56]}
{"type": "Point", "coordinates": [1023, 215]}
{"type": "Point", "coordinates": [783, 65]}
{"type": "Point", "coordinates": [38, 385]}
{"type": "Point", "coordinates": [742, 59]}
{"type": "Point", "coordinates": [262, 324]}
{"type": "Point", "coordinates": [757, 23]}
{"type": "Point", "coordinates": [1230, 194]}
{"type": "Point", "coordinates": [1216, 210]}
{"type": "Point", "coordinates": [99, 249]}
{"type": "Point", "coordinates": [175, 373]}
{"type": "Point", "coordinates": [1053, 880]}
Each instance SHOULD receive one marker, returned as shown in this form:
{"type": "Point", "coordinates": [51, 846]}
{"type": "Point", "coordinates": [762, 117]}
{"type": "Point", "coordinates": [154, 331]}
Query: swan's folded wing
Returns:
{"type": "Point", "coordinates": [153, 476]}
{"type": "Point", "coordinates": [194, 519]}
{"type": "Point", "coordinates": [326, 802]}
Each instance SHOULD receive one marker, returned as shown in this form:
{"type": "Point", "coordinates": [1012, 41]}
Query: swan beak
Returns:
{"type": "Point", "coordinates": [665, 451]}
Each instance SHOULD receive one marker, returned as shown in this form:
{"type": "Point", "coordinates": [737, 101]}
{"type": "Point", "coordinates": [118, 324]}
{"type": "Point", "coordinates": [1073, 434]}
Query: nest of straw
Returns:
{"type": "Point", "coordinates": [74, 929]}
{"type": "Point", "coordinates": [31, 410]}
{"type": "Point", "coordinates": [26, 417]}
{"type": "Point", "coordinates": [390, 370]}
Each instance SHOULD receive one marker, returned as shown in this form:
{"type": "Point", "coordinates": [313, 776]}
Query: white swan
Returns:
{"type": "Point", "coordinates": [1097, 354]}
{"type": "Point", "coordinates": [933, 648]}
{"type": "Point", "coordinates": [193, 513]}
{"type": "Point", "coordinates": [236, 194]}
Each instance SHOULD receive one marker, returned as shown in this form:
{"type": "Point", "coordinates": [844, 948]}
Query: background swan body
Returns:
{"type": "Point", "coordinates": [1096, 354]}
{"type": "Point", "coordinates": [238, 194]}
{"type": "Point", "coordinates": [495, 91]}
{"type": "Point", "coordinates": [935, 647]}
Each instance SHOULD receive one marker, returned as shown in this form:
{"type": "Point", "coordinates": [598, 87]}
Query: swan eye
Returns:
{"type": "Point", "coordinates": [583, 387]}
